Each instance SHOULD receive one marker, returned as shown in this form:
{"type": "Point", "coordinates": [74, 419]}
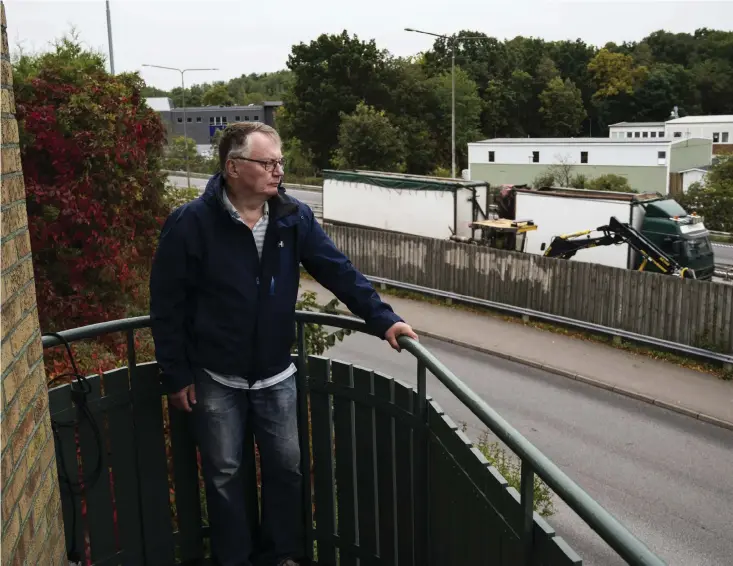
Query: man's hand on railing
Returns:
{"type": "Point", "coordinates": [184, 399]}
{"type": "Point", "coordinates": [396, 330]}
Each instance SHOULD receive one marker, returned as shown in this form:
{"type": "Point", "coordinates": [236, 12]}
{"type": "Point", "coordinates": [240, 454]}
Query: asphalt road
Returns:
{"type": "Point", "coordinates": [665, 476]}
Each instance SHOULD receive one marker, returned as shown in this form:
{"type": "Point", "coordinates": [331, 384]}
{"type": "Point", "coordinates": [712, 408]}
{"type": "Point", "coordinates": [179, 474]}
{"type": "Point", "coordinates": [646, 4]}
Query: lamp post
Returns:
{"type": "Point", "coordinates": [109, 40]}
{"type": "Point", "coordinates": [452, 39]}
{"type": "Point", "coordinates": [183, 100]}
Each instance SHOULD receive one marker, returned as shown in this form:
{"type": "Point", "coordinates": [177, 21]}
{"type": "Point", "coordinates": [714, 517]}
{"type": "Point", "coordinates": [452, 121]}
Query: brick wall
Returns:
{"type": "Point", "coordinates": [32, 524]}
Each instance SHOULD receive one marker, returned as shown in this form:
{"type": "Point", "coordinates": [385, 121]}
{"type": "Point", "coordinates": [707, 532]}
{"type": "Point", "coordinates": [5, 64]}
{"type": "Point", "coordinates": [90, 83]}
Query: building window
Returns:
{"type": "Point", "coordinates": [716, 137]}
{"type": "Point", "coordinates": [218, 119]}
{"type": "Point", "coordinates": [189, 119]}
{"type": "Point", "coordinates": [180, 119]}
{"type": "Point", "coordinates": [535, 157]}
{"type": "Point", "coordinates": [246, 118]}
{"type": "Point", "coordinates": [654, 134]}
{"type": "Point", "coordinates": [628, 134]}
{"type": "Point", "coordinates": [491, 157]}
{"type": "Point", "coordinates": [724, 137]}
{"type": "Point", "coordinates": [661, 134]}
{"type": "Point", "coordinates": [211, 120]}
{"type": "Point", "coordinates": [678, 134]}
{"type": "Point", "coordinates": [584, 157]}
{"type": "Point", "coordinates": [661, 158]}
{"type": "Point", "coordinates": [256, 118]}
{"type": "Point", "coordinates": [236, 118]}
{"type": "Point", "coordinates": [198, 119]}
{"type": "Point", "coordinates": [223, 119]}
{"type": "Point", "coordinates": [637, 134]}
{"type": "Point", "coordinates": [645, 135]}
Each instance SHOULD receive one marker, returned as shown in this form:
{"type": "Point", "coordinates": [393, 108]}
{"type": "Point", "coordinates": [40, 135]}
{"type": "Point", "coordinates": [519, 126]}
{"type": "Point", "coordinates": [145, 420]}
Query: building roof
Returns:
{"type": "Point", "coordinates": [159, 103]}
{"type": "Point", "coordinates": [712, 119]}
{"type": "Point", "coordinates": [638, 124]}
{"type": "Point", "coordinates": [564, 141]}
{"type": "Point", "coordinates": [248, 108]}
{"type": "Point", "coordinates": [703, 168]}
{"type": "Point", "coordinates": [391, 180]}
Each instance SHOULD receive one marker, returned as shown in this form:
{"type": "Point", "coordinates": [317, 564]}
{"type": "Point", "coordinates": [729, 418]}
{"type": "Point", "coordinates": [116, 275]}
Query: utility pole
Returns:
{"type": "Point", "coordinates": [109, 40]}
{"type": "Point", "coordinates": [452, 39]}
{"type": "Point", "coordinates": [183, 100]}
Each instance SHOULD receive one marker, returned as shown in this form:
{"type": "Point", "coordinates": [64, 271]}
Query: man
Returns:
{"type": "Point", "coordinates": [223, 290]}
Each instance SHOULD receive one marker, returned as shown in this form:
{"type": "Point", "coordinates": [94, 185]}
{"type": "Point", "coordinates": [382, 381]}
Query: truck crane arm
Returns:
{"type": "Point", "coordinates": [567, 245]}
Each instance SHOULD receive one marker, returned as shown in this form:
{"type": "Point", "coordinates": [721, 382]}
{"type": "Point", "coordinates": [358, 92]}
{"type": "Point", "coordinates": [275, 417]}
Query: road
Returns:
{"type": "Point", "coordinates": [665, 476]}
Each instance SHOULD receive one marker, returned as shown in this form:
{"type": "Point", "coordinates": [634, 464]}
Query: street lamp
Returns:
{"type": "Point", "coordinates": [183, 100]}
{"type": "Point", "coordinates": [452, 40]}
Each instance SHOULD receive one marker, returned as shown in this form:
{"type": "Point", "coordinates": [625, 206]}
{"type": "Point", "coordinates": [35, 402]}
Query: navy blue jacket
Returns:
{"type": "Point", "coordinates": [214, 304]}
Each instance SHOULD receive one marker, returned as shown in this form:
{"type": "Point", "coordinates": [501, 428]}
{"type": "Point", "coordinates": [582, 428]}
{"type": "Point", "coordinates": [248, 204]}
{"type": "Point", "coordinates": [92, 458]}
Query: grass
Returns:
{"type": "Point", "coordinates": [625, 345]}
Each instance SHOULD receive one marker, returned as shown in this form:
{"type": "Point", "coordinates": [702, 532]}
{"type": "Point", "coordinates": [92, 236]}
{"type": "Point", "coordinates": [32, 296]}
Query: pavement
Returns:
{"type": "Point", "coordinates": [693, 393]}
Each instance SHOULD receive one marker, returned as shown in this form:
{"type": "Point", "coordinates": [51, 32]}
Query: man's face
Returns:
{"type": "Point", "coordinates": [259, 173]}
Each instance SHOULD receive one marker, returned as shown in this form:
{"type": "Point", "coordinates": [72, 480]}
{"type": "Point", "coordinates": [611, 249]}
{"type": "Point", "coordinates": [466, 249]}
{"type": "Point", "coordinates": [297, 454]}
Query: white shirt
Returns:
{"type": "Point", "coordinates": [259, 231]}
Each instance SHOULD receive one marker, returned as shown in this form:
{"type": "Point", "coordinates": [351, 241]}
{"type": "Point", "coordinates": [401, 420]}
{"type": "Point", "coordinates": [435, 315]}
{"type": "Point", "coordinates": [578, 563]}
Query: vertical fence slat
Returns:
{"type": "Point", "coordinates": [156, 511]}
{"type": "Point", "coordinates": [319, 370]}
{"type": "Point", "coordinates": [343, 429]}
{"type": "Point", "coordinates": [186, 481]}
{"type": "Point", "coordinates": [365, 446]}
{"type": "Point", "coordinates": [124, 466]}
{"type": "Point", "coordinates": [384, 426]}
{"type": "Point", "coordinates": [98, 495]}
{"type": "Point", "coordinates": [63, 411]}
{"type": "Point", "coordinates": [404, 477]}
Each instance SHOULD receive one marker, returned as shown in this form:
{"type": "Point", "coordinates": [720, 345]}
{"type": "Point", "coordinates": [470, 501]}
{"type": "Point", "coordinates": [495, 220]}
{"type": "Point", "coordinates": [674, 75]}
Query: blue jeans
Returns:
{"type": "Point", "coordinates": [222, 415]}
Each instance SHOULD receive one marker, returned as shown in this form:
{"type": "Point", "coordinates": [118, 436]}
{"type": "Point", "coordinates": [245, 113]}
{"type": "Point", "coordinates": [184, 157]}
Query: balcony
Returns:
{"type": "Point", "coordinates": [392, 479]}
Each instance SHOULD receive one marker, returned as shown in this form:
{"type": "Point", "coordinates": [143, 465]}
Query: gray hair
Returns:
{"type": "Point", "coordinates": [235, 139]}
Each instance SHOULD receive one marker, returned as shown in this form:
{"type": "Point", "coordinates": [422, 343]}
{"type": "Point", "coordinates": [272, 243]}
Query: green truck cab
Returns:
{"type": "Point", "coordinates": [679, 234]}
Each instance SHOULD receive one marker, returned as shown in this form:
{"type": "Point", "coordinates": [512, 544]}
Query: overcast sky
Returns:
{"type": "Point", "coordinates": [243, 37]}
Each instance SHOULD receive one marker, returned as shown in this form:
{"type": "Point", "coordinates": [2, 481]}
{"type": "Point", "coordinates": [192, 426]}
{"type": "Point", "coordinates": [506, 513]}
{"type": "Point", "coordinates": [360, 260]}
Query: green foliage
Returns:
{"type": "Point", "coordinates": [177, 196]}
{"type": "Point", "coordinates": [368, 140]}
{"type": "Point", "coordinates": [511, 470]}
{"type": "Point", "coordinates": [180, 147]}
{"type": "Point", "coordinates": [217, 95]}
{"type": "Point", "coordinates": [713, 200]}
{"type": "Point", "coordinates": [610, 182]}
{"type": "Point", "coordinates": [615, 73]}
{"type": "Point", "coordinates": [317, 338]}
{"type": "Point", "coordinates": [561, 108]}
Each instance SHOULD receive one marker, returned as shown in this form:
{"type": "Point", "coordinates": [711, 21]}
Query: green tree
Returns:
{"type": "Point", "coordinates": [368, 140]}
{"type": "Point", "coordinates": [713, 199]}
{"type": "Point", "coordinates": [331, 75]}
{"type": "Point", "coordinates": [614, 74]}
{"type": "Point", "coordinates": [610, 182]}
{"type": "Point", "coordinates": [468, 114]}
{"type": "Point", "coordinates": [561, 108]}
{"type": "Point", "coordinates": [217, 95]}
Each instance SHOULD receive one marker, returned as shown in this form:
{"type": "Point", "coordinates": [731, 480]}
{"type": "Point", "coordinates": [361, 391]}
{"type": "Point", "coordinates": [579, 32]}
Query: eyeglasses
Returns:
{"type": "Point", "coordinates": [269, 165]}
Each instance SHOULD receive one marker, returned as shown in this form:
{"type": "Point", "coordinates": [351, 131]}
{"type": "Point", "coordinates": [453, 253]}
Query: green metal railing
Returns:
{"type": "Point", "coordinates": [400, 441]}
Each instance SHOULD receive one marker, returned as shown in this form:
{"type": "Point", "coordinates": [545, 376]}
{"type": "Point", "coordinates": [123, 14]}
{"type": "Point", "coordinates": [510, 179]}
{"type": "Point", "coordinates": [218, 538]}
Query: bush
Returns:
{"type": "Point", "coordinates": [610, 182]}
{"type": "Point", "coordinates": [91, 153]}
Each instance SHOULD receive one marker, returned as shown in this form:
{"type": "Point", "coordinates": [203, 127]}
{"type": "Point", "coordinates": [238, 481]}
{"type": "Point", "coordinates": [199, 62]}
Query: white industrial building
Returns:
{"type": "Point", "coordinates": [648, 164]}
{"type": "Point", "coordinates": [637, 130]}
{"type": "Point", "coordinates": [718, 128]}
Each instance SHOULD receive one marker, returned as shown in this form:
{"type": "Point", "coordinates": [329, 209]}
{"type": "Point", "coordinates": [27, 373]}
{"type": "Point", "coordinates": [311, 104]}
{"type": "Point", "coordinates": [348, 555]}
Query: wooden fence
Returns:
{"type": "Point", "coordinates": [697, 313]}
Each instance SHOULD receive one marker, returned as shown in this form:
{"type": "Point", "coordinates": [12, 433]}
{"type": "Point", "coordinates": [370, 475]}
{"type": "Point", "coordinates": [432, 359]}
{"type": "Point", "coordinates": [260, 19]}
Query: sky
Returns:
{"type": "Point", "coordinates": [239, 37]}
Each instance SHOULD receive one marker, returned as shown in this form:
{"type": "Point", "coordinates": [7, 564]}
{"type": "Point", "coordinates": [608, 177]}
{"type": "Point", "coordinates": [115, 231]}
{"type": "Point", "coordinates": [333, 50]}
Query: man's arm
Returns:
{"type": "Point", "coordinates": [169, 280]}
{"type": "Point", "coordinates": [332, 269]}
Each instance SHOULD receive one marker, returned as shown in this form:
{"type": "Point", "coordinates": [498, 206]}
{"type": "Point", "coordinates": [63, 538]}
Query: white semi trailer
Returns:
{"type": "Point", "coordinates": [434, 207]}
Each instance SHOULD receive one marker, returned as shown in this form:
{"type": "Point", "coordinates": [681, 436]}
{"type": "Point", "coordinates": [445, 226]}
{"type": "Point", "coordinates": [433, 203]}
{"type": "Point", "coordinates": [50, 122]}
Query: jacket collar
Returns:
{"type": "Point", "coordinates": [279, 206]}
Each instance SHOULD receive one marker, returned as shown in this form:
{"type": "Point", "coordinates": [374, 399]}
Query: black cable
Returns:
{"type": "Point", "coordinates": [79, 389]}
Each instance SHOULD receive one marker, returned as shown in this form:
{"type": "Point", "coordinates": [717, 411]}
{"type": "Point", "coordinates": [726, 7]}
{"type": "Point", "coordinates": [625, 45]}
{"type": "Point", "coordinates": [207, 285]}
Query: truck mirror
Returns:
{"type": "Point", "coordinates": [542, 247]}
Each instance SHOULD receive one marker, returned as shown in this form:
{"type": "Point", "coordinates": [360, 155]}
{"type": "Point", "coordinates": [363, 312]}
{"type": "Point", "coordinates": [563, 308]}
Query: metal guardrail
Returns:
{"type": "Point", "coordinates": [533, 461]}
{"type": "Point", "coordinates": [700, 353]}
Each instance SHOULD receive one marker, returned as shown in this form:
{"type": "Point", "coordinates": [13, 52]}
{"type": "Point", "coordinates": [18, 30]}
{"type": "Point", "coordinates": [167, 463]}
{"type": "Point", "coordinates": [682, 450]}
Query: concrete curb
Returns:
{"type": "Point", "coordinates": [584, 379]}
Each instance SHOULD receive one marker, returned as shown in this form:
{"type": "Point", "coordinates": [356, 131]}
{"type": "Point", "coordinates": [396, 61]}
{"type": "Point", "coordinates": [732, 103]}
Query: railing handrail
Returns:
{"type": "Point", "coordinates": [601, 521]}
